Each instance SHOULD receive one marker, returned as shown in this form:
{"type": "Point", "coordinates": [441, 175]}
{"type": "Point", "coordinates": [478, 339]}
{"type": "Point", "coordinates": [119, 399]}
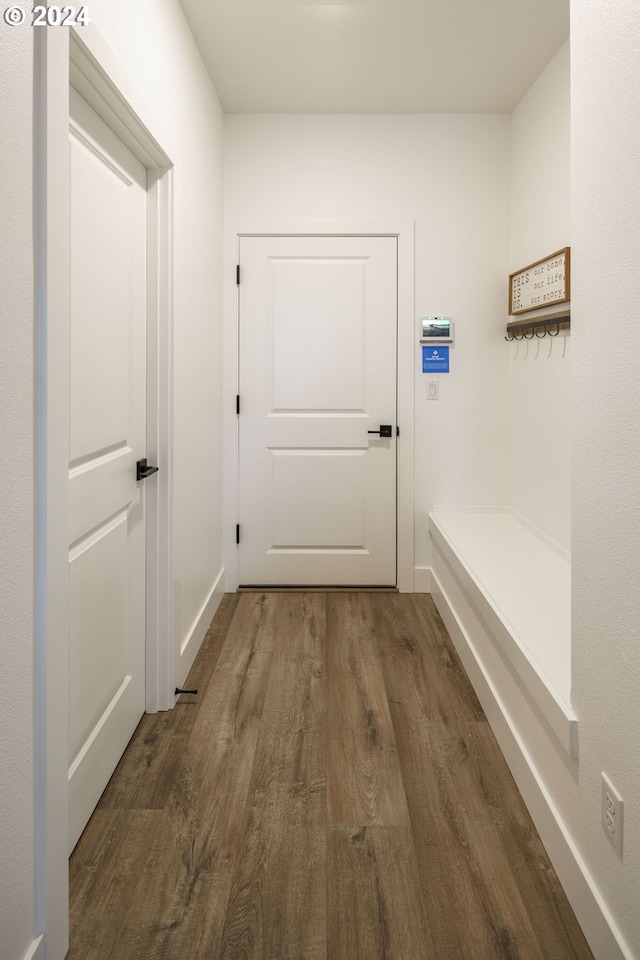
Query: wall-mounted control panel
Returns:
{"type": "Point", "coordinates": [436, 330]}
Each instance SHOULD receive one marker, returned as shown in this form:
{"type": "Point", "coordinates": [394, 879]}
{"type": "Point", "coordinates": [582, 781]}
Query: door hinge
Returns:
{"type": "Point", "coordinates": [237, 403]}
{"type": "Point", "coordinates": [397, 431]}
{"type": "Point", "coordinates": [237, 533]}
{"type": "Point", "coordinates": [238, 275]}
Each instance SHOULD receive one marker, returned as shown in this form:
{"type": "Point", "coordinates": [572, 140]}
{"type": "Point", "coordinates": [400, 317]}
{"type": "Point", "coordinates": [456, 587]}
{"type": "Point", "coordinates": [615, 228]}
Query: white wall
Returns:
{"type": "Point", "coordinates": [448, 173]}
{"type": "Point", "coordinates": [155, 47]}
{"type": "Point", "coordinates": [605, 427]}
{"type": "Point", "coordinates": [538, 401]}
{"type": "Point", "coordinates": [16, 500]}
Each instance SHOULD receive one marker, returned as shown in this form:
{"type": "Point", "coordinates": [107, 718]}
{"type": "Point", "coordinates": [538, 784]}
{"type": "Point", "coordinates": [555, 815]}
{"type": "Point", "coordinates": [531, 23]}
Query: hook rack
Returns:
{"type": "Point", "coordinates": [551, 324]}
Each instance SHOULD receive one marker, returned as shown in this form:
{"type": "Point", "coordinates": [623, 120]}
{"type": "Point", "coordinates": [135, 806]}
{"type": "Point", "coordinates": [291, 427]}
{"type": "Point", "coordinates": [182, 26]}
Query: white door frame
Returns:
{"type": "Point", "coordinates": [404, 230]}
{"type": "Point", "coordinates": [80, 57]}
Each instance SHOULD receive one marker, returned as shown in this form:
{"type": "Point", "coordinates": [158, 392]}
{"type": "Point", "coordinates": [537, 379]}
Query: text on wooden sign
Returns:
{"type": "Point", "coordinates": [543, 282]}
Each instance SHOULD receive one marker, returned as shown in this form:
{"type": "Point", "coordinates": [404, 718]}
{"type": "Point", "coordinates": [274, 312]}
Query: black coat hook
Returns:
{"type": "Point", "coordinates": [537, 327]}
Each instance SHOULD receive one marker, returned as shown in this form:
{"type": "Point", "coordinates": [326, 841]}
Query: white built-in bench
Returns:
{"type": "Point", "coordinates": [490, 565]}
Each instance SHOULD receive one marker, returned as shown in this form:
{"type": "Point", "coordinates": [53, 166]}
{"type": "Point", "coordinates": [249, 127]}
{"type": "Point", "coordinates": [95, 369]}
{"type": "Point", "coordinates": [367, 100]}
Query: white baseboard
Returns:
{"type": "Point", "coordinates": [36, 950]}
{"type": "Point", "coordinates": [588, 905]}
{"type": "Point", "coordinates": [193, 641]}
{"type": "Point", "coordinates": [422, 579]}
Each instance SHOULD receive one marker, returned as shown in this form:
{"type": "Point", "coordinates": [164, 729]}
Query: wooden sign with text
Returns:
{"type": "Point", "coordinates": [544, 282]}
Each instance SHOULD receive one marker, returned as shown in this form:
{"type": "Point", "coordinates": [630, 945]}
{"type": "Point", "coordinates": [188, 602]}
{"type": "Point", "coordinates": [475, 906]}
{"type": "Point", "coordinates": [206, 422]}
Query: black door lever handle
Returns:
{"type": "Point", "coordinates": [143, 471]}
{"type": "Point", "coordinates": [384, 431]}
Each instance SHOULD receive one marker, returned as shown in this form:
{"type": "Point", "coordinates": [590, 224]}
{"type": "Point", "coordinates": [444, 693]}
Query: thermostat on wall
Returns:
{"type": "Point", "coordinates": [436, 330]}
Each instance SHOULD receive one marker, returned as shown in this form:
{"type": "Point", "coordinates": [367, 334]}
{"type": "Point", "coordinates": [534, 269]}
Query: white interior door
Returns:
{"type": "Point", "coordinates": [317, 489]}
{"type": "Point", "coordinates": [107, 437]}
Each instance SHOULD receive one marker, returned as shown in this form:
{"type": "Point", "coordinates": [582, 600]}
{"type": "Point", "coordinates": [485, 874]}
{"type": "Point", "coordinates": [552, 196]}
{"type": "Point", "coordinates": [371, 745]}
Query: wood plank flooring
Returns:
{"type": "Point", "coordinates": [334, 792]}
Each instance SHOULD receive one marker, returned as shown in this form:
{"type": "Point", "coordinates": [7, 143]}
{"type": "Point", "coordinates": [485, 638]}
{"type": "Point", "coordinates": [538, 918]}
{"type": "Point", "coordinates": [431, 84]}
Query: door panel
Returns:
{"type": "Point", "coordinates": [318, 328]}
{"type": "Point", "coordinates": [107, 436]}
{"type": "Point", "coordinates": [98, 653]}
{"type": "Point", "coordinates": [332, 476]}
{"type": "Point", "coordinates": [328, 335]}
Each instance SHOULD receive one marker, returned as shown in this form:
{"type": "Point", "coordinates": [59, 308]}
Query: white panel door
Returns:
{"type": "Point", "coordinates": [318, 328]}
{"type": "Point", "coordinates": [107, 437]}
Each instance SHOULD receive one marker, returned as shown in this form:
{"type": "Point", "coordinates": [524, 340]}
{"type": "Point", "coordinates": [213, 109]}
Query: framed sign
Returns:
{"type": "Point", "coordinates": [544, 282]}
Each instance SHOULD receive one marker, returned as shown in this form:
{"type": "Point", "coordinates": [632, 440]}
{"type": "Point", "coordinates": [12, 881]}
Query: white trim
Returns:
{"type": "Point", "coordinates": [61, 54]}
{"type": "Point", "coordinates": [592, 913]}
{"type": "Point", "coordinates": [197, 633]}
{"type": "Point", "coordinates": [36, 950]}
{"type": "Point", "coordinates": [422, 580]}
{"type": "Point", "coordinates": [159, 679]}
{"type": "Point", "coordinates": [52, 467]}
{"type": "Point", "coordinates": [95, 71]}
{"type": "Point", "coordinates": [404, 230]}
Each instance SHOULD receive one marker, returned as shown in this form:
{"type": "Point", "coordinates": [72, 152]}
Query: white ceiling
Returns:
{"type": "Point", "coordinates": [376, 56]}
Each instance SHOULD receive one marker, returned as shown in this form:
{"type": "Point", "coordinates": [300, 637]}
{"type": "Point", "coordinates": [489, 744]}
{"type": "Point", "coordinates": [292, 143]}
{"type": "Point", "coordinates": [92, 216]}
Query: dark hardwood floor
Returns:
{"type": "Point", "coordinates": [334, 792]}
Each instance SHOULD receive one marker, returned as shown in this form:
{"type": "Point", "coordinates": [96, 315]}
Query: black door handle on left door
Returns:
{"type": "Point", "coordinates": [143, 471]}
{"type": "Point", "coordinates": [384, 431]}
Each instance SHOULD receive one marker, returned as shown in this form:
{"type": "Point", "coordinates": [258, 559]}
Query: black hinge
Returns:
{"type": "Point", "coordinates": [397, 431]}
{"type": "Point", "coordinates": [238, 403]}
{"type": "Point", "coordinates": [237, 533]}
{"type": "Point", "coordinates": [238, 275]}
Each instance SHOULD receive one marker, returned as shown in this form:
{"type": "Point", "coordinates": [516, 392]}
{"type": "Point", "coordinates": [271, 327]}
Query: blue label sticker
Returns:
{"type": "Point", "coordinates": [435, 359]}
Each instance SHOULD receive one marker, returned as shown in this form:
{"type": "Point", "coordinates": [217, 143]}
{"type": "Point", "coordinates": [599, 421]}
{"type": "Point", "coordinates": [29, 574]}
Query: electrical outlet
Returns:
{"type": "Point", "coordinates": [612, 814]}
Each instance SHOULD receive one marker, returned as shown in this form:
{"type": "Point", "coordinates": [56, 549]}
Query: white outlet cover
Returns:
{"type": "Point", "coordinates": [612, 814]}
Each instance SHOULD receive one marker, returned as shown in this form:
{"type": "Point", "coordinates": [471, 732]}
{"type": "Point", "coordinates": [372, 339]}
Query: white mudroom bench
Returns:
{"type": "Point", "coordinates": [495, 575]}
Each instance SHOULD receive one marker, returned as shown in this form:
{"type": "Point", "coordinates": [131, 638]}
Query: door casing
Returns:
{"type": "Point", "coordinates": [80, 57]}
{"type": "Point", "coordinates": [404, 230]}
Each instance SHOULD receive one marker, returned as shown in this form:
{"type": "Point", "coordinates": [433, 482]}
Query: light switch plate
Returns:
{"type": "Point", "coordinates": [433, 389]}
